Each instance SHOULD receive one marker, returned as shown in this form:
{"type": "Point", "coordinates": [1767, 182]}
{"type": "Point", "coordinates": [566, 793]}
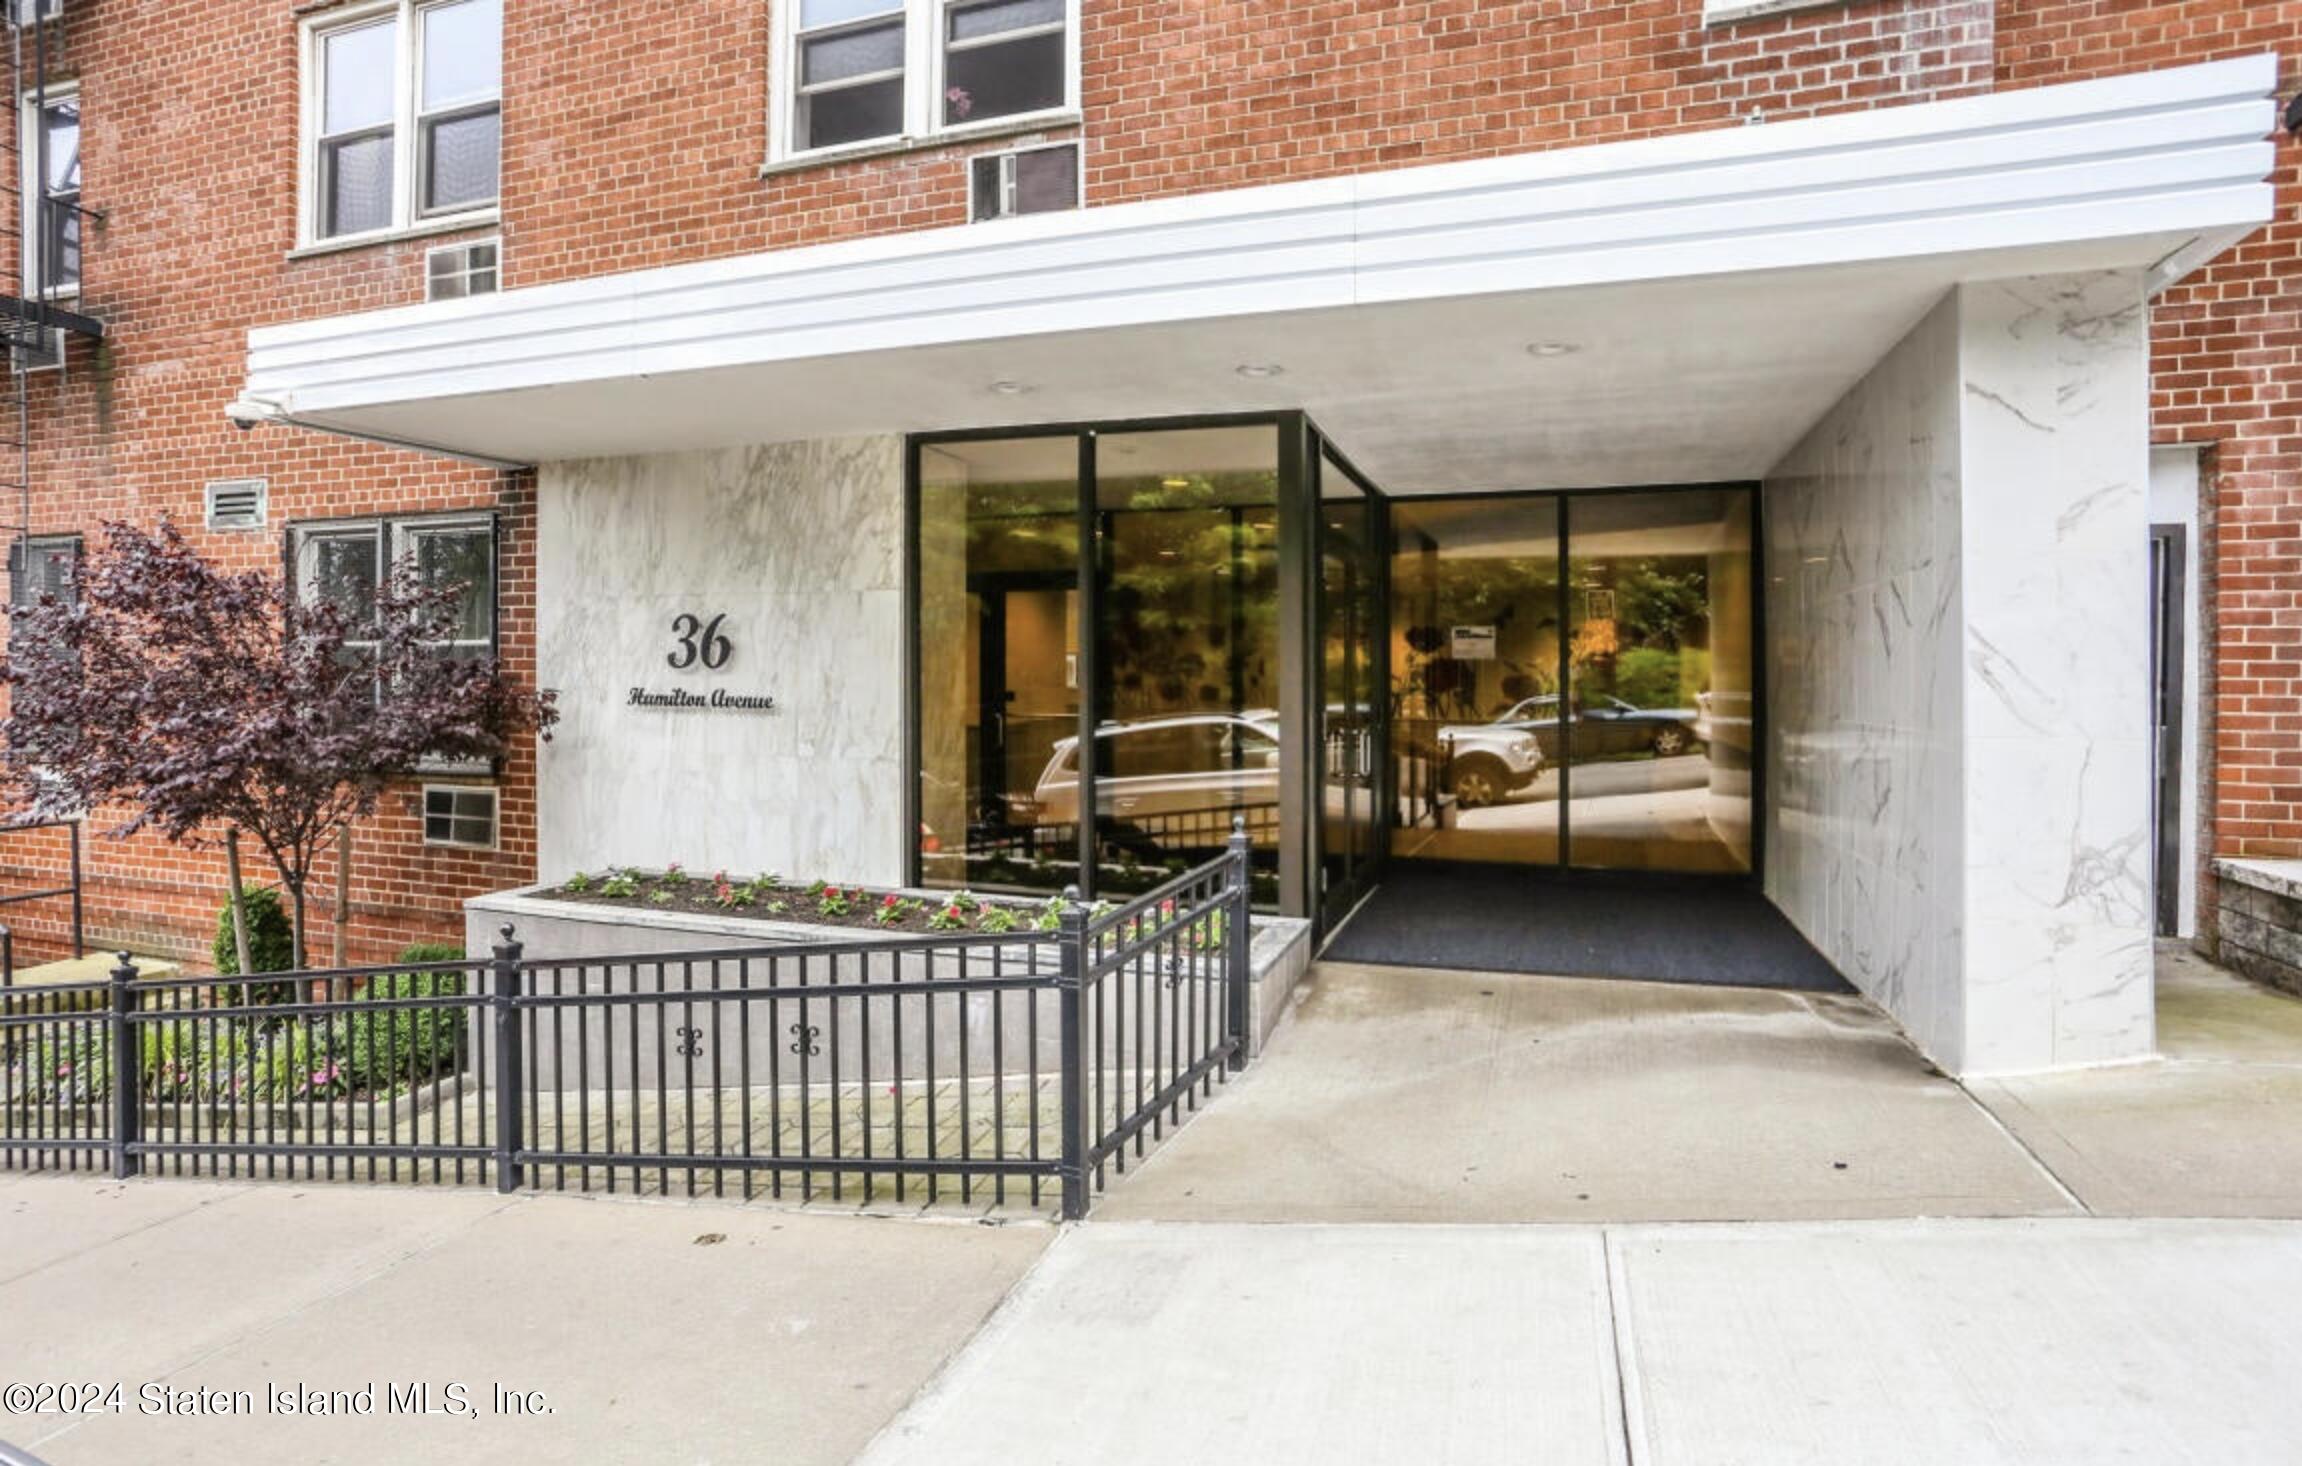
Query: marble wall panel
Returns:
{"type": "Point", "coordinates": [800, 546]}
{"type": "Point", "coordinates": [1862, 615]}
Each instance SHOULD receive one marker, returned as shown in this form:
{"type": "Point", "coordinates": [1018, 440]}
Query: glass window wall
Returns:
{"type": "Point", "coordinates": [1188, 579]}
{"type": "Point", "coordinates": [999, 693]}
{"type": "Point", "coordinates": [1178, 677]}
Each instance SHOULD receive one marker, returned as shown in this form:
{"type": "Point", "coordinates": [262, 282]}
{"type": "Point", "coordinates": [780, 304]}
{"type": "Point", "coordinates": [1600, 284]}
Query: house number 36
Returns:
{"type": "Point", "coordinates": [699, 642]}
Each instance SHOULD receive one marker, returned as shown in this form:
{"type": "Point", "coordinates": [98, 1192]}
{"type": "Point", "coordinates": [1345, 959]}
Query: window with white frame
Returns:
{"type": "Point", "coordinates": [460, 814]}
{"type": "Point", "coordinates": [403, 115]}
{"type": "Point", "coordinates": [858, 72]}
{"type": "Point", "coordinates": [49, 135]}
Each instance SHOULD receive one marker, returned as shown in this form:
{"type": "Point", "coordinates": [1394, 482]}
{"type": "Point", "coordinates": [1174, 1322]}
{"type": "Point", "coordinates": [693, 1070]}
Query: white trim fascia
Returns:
{"type": "Point", "coordinates": [2185, 151]}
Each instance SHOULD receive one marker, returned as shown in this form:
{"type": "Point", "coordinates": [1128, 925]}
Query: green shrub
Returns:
{"type": "Point", "coordinates": [271, 936]}
{"type": "Point", "coordinates": [391, 1050]}
{"type": "Point", "coordinates": [1647, 677]}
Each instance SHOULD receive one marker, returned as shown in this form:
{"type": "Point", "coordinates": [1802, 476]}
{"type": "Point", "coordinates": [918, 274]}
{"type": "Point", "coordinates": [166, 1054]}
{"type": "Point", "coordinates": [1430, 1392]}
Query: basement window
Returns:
{"type": "Point", "coordinates": [461, 815]}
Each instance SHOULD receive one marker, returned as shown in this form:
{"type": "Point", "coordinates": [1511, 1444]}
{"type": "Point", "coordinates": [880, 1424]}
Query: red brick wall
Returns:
{"type": "Point", "coordinates": [190, 152]}
{"type": "Point", "coordinates": [630, 141]}
{"type": "Point", "coordinates": [635, 133]}
{"type": "Point", "coordinates": [2227, 377]}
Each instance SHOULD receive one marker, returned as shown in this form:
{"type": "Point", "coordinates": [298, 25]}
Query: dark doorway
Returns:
{"type": "Point", "coordinates": [1499, 918]}
{"type": "Point", "coordinates": [2166, 648]}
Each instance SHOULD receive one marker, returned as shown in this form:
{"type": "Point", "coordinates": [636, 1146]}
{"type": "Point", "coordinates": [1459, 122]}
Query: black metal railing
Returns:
{"type": "Point", "coordinates": [982, 1068]}
{"type": "Point", "coordinates": [1148, 837]}
{"type": "Point", "coordinates": [1164, 1009]}
{"type": "Point", "coordinates": [72, 887]}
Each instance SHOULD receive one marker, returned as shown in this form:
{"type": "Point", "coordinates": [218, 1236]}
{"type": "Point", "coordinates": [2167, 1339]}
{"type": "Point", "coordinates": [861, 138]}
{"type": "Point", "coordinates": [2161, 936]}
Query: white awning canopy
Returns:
{"type": "Point", "coordinates": [1676, 308]}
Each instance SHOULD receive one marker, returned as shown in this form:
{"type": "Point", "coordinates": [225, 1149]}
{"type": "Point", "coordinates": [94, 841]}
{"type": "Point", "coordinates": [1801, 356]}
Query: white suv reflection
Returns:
{"type": "Point", "coordinates": [1166, 776]}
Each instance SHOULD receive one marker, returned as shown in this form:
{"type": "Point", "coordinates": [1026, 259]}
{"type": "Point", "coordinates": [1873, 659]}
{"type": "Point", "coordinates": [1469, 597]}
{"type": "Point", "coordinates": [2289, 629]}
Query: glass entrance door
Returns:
{"type": "Point", "coordinates": [1574, 679]}
{"type": "Point", "coordinates": [1658, 721]}
{"type": "Point", "coordinates": [1475, 647]}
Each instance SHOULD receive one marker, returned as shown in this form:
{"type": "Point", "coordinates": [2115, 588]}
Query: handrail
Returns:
{"type": "Point", "coordinates": [75, 889]}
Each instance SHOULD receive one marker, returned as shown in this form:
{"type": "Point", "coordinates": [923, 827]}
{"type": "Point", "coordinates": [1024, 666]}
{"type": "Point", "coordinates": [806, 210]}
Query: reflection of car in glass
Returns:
{"type": "Point", "coordinates": [1604, 725]}
{"type": "Point", "coordinates": [1170, 782]}
{"type": "Point", "coordinates": [1486, 761]}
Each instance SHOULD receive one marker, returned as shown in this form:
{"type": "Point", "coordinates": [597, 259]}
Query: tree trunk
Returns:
{"type": "Point", "coordinates": [296, 917]}
{"type": "Point", "coordinates": [239, 898]}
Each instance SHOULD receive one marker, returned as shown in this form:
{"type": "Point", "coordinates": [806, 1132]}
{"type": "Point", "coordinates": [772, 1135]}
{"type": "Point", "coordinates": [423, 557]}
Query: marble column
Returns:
{"type": "Point", "coordinates": [2054, 470]}
{"type": "Point", "coordinates": [1958, 802]}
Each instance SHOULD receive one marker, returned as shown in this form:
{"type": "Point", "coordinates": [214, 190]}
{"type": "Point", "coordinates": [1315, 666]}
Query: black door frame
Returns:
{"type": "Point", "coordinates": [1330, 906]}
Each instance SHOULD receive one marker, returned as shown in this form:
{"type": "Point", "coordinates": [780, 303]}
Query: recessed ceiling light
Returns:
{"type": "Point", "coordinates": [1553, 348]}
{"type": "Point", "coordinates": [1174, 482]}
{"type": "Point", "coordinates": [1261, 369]}
{"type": "Point", "coordinates": [1007, 387]}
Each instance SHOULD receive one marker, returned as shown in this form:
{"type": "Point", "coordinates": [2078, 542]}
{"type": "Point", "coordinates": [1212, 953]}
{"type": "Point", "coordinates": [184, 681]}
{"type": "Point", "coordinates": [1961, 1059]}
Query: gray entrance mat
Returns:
{"type": "Point", "coordinates": [1503, 919]}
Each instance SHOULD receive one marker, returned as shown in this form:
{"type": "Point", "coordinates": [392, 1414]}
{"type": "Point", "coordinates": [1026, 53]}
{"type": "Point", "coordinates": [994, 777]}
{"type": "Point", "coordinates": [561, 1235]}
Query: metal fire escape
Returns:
{"type": "Point", "coordinates": [42, 306]}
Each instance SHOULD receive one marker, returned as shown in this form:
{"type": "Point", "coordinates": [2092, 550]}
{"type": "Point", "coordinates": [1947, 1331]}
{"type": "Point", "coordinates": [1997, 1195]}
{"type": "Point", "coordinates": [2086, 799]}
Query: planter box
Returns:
{"type": "Point", "coordinates": [550, 929]}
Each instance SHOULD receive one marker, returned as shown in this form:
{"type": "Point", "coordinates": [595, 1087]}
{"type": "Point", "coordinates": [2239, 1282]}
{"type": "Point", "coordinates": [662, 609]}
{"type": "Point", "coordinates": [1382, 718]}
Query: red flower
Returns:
{"type": "Point", "coordinates": [892, 900]}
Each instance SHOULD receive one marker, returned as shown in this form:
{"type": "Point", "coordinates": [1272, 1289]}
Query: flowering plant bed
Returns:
{"type": "Point", "coordinates": [817, 903]}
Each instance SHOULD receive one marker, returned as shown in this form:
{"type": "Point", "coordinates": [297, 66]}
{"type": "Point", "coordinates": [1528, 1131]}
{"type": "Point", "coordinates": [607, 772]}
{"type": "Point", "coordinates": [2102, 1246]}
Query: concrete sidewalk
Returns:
{"type": "Point", "coordinates": [1423, 1095]}
{"type": "Point", "coordinates": [653, 1331]}
{"type": "Point", "coordinates": [2028, 1343]}
{"type": "Point", "coordinates": [1215, 1308]}
{"type": "Point", "coordinates": [697, 1333]}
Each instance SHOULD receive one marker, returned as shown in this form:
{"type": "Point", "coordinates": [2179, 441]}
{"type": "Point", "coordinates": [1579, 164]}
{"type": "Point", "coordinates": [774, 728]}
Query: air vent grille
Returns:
{"type": "Point", "coordinates": [236, 503]}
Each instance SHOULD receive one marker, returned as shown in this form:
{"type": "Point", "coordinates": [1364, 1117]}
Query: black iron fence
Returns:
{"type": "Point", "coordinates": [970, 1067]}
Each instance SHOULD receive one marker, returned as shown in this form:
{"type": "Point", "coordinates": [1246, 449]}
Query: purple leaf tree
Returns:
{"type": "Point", "coordinates": [196, 698]}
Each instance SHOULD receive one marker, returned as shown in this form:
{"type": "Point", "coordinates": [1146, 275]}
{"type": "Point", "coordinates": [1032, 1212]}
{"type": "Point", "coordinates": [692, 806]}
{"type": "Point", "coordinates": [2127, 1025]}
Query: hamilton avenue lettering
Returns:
{"type": "Point", "coordinates": [718, 698]}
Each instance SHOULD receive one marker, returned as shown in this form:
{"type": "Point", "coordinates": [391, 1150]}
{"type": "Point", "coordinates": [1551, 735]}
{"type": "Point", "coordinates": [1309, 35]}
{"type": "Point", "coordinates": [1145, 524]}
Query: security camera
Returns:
{"type": "Point", "coordinates": [246, 412]}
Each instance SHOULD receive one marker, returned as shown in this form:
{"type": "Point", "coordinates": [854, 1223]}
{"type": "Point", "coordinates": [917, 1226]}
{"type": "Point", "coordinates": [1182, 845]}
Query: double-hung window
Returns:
{"type": "Point", "coordinates": [49, 131]}
{"type": "Point", "coordinates": [862, 72]}
{"type": "Point", "coordinates": [403, 116]}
